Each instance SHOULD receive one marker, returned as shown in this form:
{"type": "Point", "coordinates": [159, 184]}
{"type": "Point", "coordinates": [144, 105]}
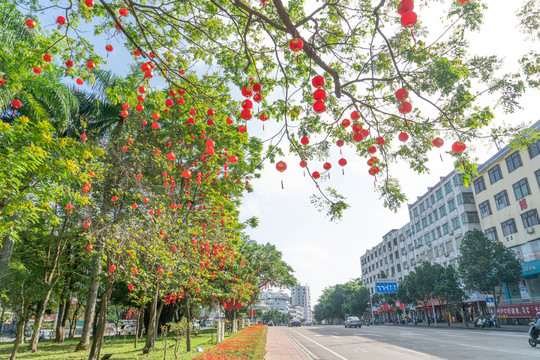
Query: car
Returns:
{"type": "Point", "coordinates": [353, 321]}
{"type": "Point", "coordinates": [294, 323]}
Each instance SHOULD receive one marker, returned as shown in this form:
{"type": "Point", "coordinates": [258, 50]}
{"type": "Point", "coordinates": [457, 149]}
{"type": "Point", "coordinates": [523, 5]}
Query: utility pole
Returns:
{"type": "Point", "coordinates": [433, 309]}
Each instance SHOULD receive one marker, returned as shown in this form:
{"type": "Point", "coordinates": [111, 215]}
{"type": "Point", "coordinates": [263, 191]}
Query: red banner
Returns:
{"type": "Point", "coordinates": [252, 312]}
{"type": "Point", "coordinates": [521, 311]}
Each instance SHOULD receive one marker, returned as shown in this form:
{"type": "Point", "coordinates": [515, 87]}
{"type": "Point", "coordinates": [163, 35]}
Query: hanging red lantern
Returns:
{"type": "Point", "coordinates": [319, 94]}
{"type": "Point", "coordinates": [210, 151]}
{"type": "Point", "coordinates": [372, 161]}
{"type": "Point", "coordinates": [315, 174]}
{"type": "Point", "coordinates": [17, 104]}
{"type": "Point", "coordinates": [463, 1]}
{"type": "Point", "coordinates": [124, 113]}
{"type": "Point", "coordinates": [89, 3]}
{"type": "Point", "coordinates": [257, 87]}
{"type": "Point", "coordinates": [358, 137]}
{"type": "Point", "coordinates": [438, 142]}
{"type": "Point", "coordinates": [130, 287]}
{"type": "Point", "coordinates": [327, 166]}
{"type": "Point", "coordinates": [155, 116]}
{"type": "Point", "coordinates": [123, 12]}
{"type": "Point", "coordinates": [281, 166]}
{"type": "Point", "coordinates": [83, 138]}
{"type": "Point", "coordinates": [186, 174]}
{"type": "Point", "coordinates": [304, 140]}
{"type": "Point", "coordinates": [247, 91]}
{"type": "Point", "coordinates": [373, 170]}
{"type": "Point", "coordinates": [257, 98]}
{"type": "Point", "coordinates": [112, 268]}
{"type": "Point", "coordinates": [303, 164]}
{"type": "Point", "coordinates": [372, 150]}
{"type": "Point", "coordinates": [134, 271]}
{"type": "Point", "coordinates": [31, 24]}
{"type": "Point", "coordinates": [246, 114]}
{"type": "Point", "coordinates": [409, 19]}
{"type": "Point", "coordinates": [403, 136]}
{"type": "Point", "coordinates": [319, 107]}
{"type": "Point", "coordinates": [68, 208]}
{"type": "Point", "coordinates": [296, 45]}
{"type": "Point", "coordinates": [342, 162]}
{"type": "Point", "coordinates": [458, 147]}
{"type": "Point", "coordinates": [79, 82]}
{"type": "Point", "coordinates": [406, 5]}
{"type": "Point", "coordinates": [318, 81]}
{"type": "Point", "coordinates": [355, 115]}
{"type": "Point", "coordinates": [340, 143]}
{"type": "Point", "coordinates": [86, 224]}
{"type": "Point", "coordinates": [61, 21]}
{"type": "Point", "coordinates": [380, 140]}
{"type": "Point", "coordinates": [47, 58]}
{"type": "Point", "coordinates": [405, 107]}
{"type": "Point", "coordinates": [142, 90]}
{"type": "Point", "coordinates": [90, 247]}
{"type": "Point", "coordinates": [242, 129]}
{"type": "Point", "coordinates": [233, 159]}
{"type": "Point", "coordinates": [357, 127]}
{"type": "Point", "coordinates": [402, 94]}
{"type": "Point", "coordinates": [90, 65]}
{"type": "Point", "coordinates": [345, 123]}
{"type": "Point", "coordinates": [247, 104]}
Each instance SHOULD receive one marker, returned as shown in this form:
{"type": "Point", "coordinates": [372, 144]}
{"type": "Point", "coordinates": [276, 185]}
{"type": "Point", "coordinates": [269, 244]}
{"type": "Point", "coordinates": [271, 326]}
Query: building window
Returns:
{"type": "Point", "coordinates": [457, 180]}
{"type": "Point", "coordinates": [459, 199]}
{"type": "Point", "coordinates": [446, 228]}
{"type": "Point", "coordinates": [537, 173]}
{"type": "Point", "coordinates": [432, 197]}
{"type": "Point", "coordinates": [530, 218]}
{"type": "Point", "coordinates": [472, 217]}
{"type": "Point", "coordinates": [513, 162]}
{"type": "Point", "coordinates": [521, 188]}
{"type": "Point", "coordinates": [468, 198]}
{"type": "Point", "coordinates": [479, 185]}
{"type": "Point", "coordinates": [455, 223]}
{"type": "Point", "coordinates": [451, 205]}
{"type": "Point", "coordinates": [430, 219]}
{"type": "Point", "coordinates": [435, 215]}
{"type": "Point", "coordinates": [448, 187]}
{"type": "Point", "coordinates": [491, 234]}
{"type": "Point", "coordinates": [501, 200]}
{"type": "Point", "coordinates": [422, 207]}
{"type": "Point", "coordinates": [433, 236]}
{"type": "Point", "coordinates": [415, 211]}
{"type": "Point", "coordinates": [420, 242]}
{"type": "Point", "coordinates": [485, 209]}
{"type": "Point", "coordinates": [464, 218]}
{"type": "Point", "coordinates": [427, 238]}
{"type": "Point", "coordinates": [418, 226]}
{"type": "Point", "coordinates": [495, 174]}
{"type": "Point", "coordinates": [534, 149]}
{"type": "Point", "coordinates": [424, 222]}
{"type": "Point", "coordinates": [442, 210]}
{"type": "Point", "coordinates": [509, 227]}
{"type": "Point", "coordinates": [439, 194]}
{"type": "Point", "coordinates": [439, 232]}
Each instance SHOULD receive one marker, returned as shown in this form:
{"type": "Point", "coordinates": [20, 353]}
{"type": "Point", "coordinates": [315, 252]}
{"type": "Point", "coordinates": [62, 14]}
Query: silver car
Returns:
{"type": "Point", "coordinates": [353, 321]}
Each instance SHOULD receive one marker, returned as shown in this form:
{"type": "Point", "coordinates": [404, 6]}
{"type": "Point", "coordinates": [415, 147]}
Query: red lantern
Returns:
{"type": "Point", "coordinates": [47, 58]}
{"type": "Point", "coordinates": [304, 140]}
{"type": "Point", "coordinates": [406, 5]}
{"type": "Point", "coordinates": [372, 150]}
{"type": "Point", "coordinates": [372, 161]}
{"type": "Point", "coordinates": [358, 137]}
{"type": "Point", "coordinates": [210, 151]}
{"type": "Point", "coordinates": [17, 104]}
{"type": "Point", "coordinates": [403, 136]}
{"type": "Point", "coordinates": [373, 170]}
{"type": "Point", "coordinates": [355, 115]}
{"type": "Point", "coordinates": [233, 159]}
{"type": "Point", "coordinates": [340, 143]}
{"type": "Point", "coordinates": [247, 91]}
{"type": "Point", "coordinates": [405, 107]}
{"type": "Point", "coordinates": [90, 65]}
{"type": "Point", "coordinates": [242, 129]}
{"type": "Point", "coordinates": [319, 107]}
{"type": "Point", "coordinates": [123, 12]}
{"type": "Point", "coordinates": [402, 94]}
{"type": "Point", "coordinates": [112, 268]}
{"type": "Point", "coordinates": [257, 88]}
{"type": "Point", "coordinates": [409, 19]}
{"type": "Point", "coordinates": [318, 81]}
{"type": "Point", "coordinates": [186, 174]}
{"type": "Point", "coordinates": [296, 45]}
{"type": "Point", "coordinates": [247, 104]}
{"type": "Point", "coordinates": [60, 20]}
{"type": "Point", "coordinates": [257, 98]}
{"type": "Point", "coordinates": [68, 208]}
{"type": "Point", "coordinates": [327, 166]}
{"type": "Point", "coordinates": [303, 164]}
{"type": "Point", "coordinates": [342, 162]}
{"type": "Point", "coordinates": [357, 127]}
{"type": "Point", "coordinates": [134, 271]}
{"type": "Point", "coordinates": [246, 114]}
{"type": "Point", "coordinates": [458, 147]}
{"type": "Point", "coordinates": [380, 140]}
{"type": "Point", "coordinates": [316, 174]}
{"type": "Point", "coordinates": [124, 113]}
{"type": "Point", "coordinates": [438, 142]}
{"type": "Point", "coordinates": [345, 123]}
{"type": "Point", "coordinates": [155, 116]}
{"type": "Point", "coordinates": [319, 94]}
{"type": "Point", "coordinates": [89, 3]}
{"type": "Point", "coordinates": [90, 247]}
{"type": "Point", "coordinates": [31, 24]}
{"type": "Point", "coordinates": [281, 166]}
{"type": "Point", "coordinates": [463, 1]}
{"type": "Point", "coordinates": [142, 90]}
{"type": "Point", "coordinates": [130, 287]}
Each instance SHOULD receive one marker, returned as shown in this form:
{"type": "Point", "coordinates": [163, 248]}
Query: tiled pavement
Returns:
{"type": "Point", "coordinates": [279, 346]}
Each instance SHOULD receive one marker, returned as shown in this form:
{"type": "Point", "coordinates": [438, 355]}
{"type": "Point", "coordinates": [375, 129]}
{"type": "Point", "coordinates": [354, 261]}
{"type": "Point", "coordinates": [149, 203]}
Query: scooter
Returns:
{"type": "Point", "coordinates": [534, 331]}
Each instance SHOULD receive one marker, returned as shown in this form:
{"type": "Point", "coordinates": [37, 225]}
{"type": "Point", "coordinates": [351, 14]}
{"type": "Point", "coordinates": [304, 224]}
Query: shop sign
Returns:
{"type": "Point", "coordinates": [521, 311]}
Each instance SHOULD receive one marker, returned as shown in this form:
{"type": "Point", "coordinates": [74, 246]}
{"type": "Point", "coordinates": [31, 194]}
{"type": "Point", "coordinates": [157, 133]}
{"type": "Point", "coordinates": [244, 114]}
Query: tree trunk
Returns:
{"type": "Point", "coordinates": [95, 350]}
{"type": "Point", "coordinates": [19, 337]}
{"type": "Point", "coordinates": [5, 258]}
{"type": "Point", "coordinates": [91, 299]}
{"type": "Point", "coordinates": [33, 346]}
{"type": "Point", "coordinates": [2, 319]}
{"type": "Point", "coordinates": [61, 325]}
{"type": "Point", "coordinates": [188, 327]}
{"type": "Point", "coordinates": [463, 315]}
{"type": "Point", "coordinates": [152, 323]}
{"type": "Point", "coordinates": [157, 319]}
{"type": "Point", "coordinates": [140, 325]}
{"type": "Point", "coordinates": [58, 339]}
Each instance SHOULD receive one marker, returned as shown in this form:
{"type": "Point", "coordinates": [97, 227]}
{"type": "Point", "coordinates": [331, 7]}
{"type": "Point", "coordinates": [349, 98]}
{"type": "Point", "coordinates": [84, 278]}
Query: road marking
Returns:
{"type": "Point", "coordinates": [305, 350]}
{"type": "Point", "coordinates": [409, 350]}
{"type": "Point", "coordinates": [324, 347]}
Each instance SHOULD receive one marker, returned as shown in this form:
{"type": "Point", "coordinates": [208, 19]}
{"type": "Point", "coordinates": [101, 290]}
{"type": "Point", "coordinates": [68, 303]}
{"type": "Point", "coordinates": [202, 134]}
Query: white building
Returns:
{"type": "Point", "coordinates": [438, 220]}
{"type": "Point", "coordinates": [300, 296]}
{"type": "Point", "coordinates": [276, 299]}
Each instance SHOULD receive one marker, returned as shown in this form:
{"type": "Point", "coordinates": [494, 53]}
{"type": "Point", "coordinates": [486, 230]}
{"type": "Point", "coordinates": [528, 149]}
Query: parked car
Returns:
{"type": "Point", "coordinates": [353, 321]}
{"type": "Point", "coordinates": [294, 323]}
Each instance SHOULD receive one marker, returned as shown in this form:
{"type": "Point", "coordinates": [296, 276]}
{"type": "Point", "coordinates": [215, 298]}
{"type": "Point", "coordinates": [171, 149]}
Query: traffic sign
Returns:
{"type": "Point", "coordinates": [386, 287]}
{"type": "Point", "coordinates": [490, 301]}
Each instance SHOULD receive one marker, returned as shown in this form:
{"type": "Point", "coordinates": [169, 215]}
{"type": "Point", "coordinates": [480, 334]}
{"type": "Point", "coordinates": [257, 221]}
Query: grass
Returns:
{"type": "Point", "coordinates": [122, 348]}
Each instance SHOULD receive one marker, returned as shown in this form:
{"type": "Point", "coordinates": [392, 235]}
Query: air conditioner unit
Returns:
{"type": "Point", "coordinates": [530, 230]}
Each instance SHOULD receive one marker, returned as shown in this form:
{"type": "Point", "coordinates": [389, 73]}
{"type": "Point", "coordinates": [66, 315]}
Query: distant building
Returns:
{"type": "Point", "coordinates": [275, 300]}
{"type": "Point", "coordinates": [507, 192]}
{"type": "Point", "coordinates": [438, 220]}
{"type": "Point", "coordinates": [300, 296]}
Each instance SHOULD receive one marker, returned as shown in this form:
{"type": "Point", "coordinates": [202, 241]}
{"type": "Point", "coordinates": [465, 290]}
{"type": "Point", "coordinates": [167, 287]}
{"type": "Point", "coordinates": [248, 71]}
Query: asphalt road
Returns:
{"type": "Point", "coordinates": [410, 342]}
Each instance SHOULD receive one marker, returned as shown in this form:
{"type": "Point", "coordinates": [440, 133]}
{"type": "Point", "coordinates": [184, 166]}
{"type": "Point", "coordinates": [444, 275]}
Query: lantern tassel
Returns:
{"type": "Point", "coordinates": [297, 58]}
{"type": "Point", "coordinates": [343, 171]}
{"type": "Point", "coordinates": [441, 157]}
{"type": "Point", "coordinates": [412, 34]}
{"type": "Point", "coordinates": [282, 184]}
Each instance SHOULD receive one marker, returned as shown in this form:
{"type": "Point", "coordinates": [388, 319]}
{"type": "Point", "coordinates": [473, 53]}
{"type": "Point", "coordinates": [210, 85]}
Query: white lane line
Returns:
{"type": "Point", "coordinates": [308, 353]}
{"type": "Point", "coordinates": [409, 350]}
{"type": "Point", "coordinates": [324, 347]}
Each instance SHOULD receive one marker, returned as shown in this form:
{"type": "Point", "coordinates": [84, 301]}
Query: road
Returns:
{"type": "Point", "coordinates": [410, 342]}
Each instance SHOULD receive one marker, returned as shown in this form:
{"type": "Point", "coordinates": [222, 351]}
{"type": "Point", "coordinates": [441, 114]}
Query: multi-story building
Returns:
{"type": "Point", "coordinates": [278, 300]}
{"type": "Point", "coordinates": [438, 221]}
{"type": "Point", "coordinates": [300, 296]}
{"type": "Point", "coordinates": [507, 192]}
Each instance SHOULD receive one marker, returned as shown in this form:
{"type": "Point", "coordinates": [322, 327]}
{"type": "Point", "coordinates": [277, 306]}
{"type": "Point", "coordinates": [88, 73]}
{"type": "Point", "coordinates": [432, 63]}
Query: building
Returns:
{"type": "Point", "coordinates": [507, 192]}
{"type": "Point", "coordinates": [276, 300]}
{"type": "Point", "coordinates": [300, 296]}
{"type": "Point", "coordinates": [437, 222]}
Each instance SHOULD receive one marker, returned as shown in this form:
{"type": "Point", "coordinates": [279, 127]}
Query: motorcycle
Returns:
{"type": "Point", "coordinates": [534, 331]}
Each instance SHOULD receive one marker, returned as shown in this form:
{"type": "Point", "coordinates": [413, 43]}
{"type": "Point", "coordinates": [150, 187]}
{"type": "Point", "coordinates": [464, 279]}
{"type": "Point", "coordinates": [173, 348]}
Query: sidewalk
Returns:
{"type": "Point", "coordinates": [279, 346]}
{"type": "Point", "coordinates": [460, 325]}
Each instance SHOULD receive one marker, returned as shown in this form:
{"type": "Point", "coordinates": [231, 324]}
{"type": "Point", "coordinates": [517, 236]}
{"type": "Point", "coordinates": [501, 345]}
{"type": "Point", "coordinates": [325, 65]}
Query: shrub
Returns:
{"type": "Point", "coordinates": [246, 345]}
